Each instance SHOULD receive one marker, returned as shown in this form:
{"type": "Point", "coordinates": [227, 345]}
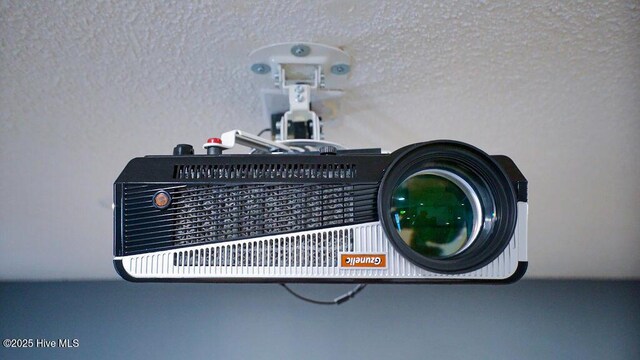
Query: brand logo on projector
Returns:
{"type": "Point", "coordinates": [377, 261]}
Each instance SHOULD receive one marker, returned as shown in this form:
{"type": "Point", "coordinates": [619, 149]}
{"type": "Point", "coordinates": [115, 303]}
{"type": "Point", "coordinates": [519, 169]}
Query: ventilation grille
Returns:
{"type": "Point", "coordinates": [265, 171]}
{"type": "Point", "coordinates": [308, 250]}
{"type": "Point", "coordinates": [309, 255]}
{"type": "Point", "coordinates": [210, 213]}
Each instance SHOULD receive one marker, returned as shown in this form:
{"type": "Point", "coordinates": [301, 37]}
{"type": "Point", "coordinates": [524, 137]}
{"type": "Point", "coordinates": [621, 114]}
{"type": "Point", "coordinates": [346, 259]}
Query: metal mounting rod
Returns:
{"type": "Point", "coordinates": [230, 138]}
{"type": "Point", "coordinates": [300, 109]}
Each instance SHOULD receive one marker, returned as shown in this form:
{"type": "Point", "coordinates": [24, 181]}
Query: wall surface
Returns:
{"type": "Point", "coordinates": [528, 320]}
{"type": "Point", "coordinates": [86, 86]}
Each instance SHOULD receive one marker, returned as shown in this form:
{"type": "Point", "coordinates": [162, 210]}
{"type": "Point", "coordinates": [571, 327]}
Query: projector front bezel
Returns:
{"type": "Point", "coordinates": [367, 238]}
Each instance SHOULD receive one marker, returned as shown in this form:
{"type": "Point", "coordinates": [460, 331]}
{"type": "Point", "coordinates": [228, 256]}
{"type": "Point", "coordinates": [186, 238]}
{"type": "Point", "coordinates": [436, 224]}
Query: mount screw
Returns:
{"type": "Point", "coordinates": [260, 69]}
{"type": "Point", "coordinates": [340, 69]}
{"type": "Point", "coordinates": [300, 50]}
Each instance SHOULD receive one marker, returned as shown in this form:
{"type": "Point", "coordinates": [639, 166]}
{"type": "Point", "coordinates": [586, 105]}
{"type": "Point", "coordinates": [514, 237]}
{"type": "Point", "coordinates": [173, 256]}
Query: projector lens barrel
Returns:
{"type": "Point", "coordinates": [447, 206]}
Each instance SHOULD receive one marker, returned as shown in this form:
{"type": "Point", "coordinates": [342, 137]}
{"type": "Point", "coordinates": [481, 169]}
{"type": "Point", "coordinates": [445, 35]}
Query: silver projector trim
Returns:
{"type": "Point", "coordinates": [303, 263]}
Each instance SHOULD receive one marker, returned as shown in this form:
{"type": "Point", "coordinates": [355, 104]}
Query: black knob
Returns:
{"type": "Point", "coordinates": [327, 150]}
{"type": "Point", "coordinates": [214, 150]}
{"type": "Point", "coordinates": [183, 149]}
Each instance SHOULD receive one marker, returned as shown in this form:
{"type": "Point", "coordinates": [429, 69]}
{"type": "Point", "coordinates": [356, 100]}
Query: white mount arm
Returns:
{"type": "Point", "coordinates": [297, 70]}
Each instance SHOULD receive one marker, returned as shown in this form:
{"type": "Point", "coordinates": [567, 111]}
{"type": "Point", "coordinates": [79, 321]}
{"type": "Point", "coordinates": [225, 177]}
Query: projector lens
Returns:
{"type": "Point", "coordinates": [446, 206]}
{"type": "Point", "coordinates": [436, 213]}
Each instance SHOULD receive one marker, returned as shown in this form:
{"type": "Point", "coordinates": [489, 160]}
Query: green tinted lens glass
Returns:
{"type": "Point", "coordinates": [432, 215]}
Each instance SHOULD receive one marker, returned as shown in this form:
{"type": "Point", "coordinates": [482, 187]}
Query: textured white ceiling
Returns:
{"type": "Point", "coordinates": [85, 86]}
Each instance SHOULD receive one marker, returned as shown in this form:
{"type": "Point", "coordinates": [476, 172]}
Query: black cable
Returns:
{"type": "Point", "coordinates": [263, 131]}
{"type": "Point", "coordinates": [337, 301]}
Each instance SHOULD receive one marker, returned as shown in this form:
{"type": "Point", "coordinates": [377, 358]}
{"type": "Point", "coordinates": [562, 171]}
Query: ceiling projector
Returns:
{"type": "Point", "coordinates": [298, 208]}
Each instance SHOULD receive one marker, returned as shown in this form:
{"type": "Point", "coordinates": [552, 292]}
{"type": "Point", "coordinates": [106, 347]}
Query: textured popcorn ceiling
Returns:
{"type": "Point", "coordinates": [86, 86]}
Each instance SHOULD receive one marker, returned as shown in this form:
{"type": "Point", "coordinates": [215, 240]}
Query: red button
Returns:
{"type": "Point", "coordinates": [214, 141]}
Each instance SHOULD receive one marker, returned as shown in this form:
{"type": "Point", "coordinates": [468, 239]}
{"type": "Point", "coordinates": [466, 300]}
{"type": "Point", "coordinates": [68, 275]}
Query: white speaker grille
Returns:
{"type": "Point", "coordinates": [308, 255]}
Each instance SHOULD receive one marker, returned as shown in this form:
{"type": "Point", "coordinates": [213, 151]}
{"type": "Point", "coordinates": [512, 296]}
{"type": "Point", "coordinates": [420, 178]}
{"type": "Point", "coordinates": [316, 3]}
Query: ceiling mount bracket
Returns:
{"type": "Point", "coordinates": [303, 72]}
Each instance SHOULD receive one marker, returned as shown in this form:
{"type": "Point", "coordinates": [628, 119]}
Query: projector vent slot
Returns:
{"type": "Point", "coordinates": [265, 171]}
{"type": "Point", "coordinates": [309, 250]}
{"type": "Point", "coordinates": [200, 214]}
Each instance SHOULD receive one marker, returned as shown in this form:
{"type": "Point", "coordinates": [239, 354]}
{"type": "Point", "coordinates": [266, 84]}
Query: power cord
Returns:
{"type": "Point", "coordinates": [264, 131]}
{"type": "Point", "coordinates": [337, 301]}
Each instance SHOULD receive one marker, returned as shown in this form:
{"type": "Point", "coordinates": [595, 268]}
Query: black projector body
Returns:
{"type": "Point", "coordinates": [440, 211]}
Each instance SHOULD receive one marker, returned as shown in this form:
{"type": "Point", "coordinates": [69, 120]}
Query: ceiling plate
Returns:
{"type": "Point", "coordinates": [300, 60]}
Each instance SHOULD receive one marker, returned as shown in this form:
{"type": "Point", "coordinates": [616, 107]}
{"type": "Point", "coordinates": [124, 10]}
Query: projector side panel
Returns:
{"type": "Point", "coordinates": [312, 256]}
{"type": "Point", "coordinates": [231, 197]}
